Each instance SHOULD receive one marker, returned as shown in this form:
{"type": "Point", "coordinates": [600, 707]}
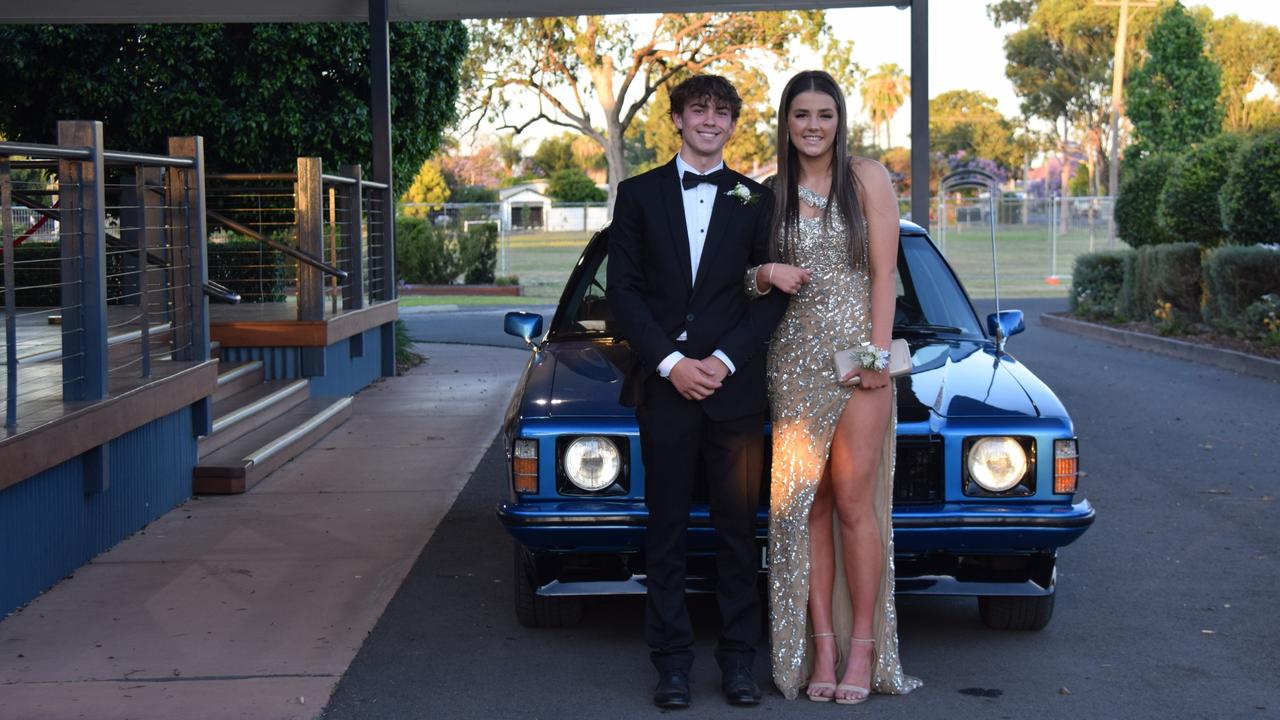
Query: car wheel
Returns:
{"type": "Point", "coordinates": [534, 610]}
{"type": "Point", "coordinates": [1016, 613]}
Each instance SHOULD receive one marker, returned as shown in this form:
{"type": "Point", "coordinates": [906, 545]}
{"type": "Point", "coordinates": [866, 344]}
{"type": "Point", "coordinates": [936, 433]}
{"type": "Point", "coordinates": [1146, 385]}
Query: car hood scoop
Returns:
{"type": "Point", "coordinates": [588, 380]}
{"type": "Point", "coordinates": [963, 380]}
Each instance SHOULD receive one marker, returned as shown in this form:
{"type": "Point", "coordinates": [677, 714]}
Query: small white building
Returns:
{"type": "Point", "coordinates": [525, 207]}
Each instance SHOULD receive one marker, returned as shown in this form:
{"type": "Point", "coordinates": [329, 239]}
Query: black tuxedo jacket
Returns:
{"type": "Point", "coordinates": [654, 298]}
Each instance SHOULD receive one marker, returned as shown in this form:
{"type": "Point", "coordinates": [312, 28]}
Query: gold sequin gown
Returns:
{"type": "Point", "coordinates": [831, 311]}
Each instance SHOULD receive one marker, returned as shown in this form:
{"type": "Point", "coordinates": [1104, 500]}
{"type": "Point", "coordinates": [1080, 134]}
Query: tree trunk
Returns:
{"type": "Point", "coordinates": [616, 158]}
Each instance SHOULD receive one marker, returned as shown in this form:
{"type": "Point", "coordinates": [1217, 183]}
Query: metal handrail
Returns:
{"type": "Point", "coordinates": [289, 250]}
{"type": "Point", "coordinates": [221, 293]}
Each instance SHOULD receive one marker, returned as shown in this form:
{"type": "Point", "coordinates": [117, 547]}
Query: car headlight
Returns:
{"type": "Point", "coordinates": [592, 462]}
{"type": "Point", "coordinates": [997, 464]}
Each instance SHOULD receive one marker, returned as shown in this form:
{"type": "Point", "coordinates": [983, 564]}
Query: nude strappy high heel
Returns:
{"type": "Point", "coordinates": [843, 687]}
{"type": "Point", "coordinates": [823, 685]}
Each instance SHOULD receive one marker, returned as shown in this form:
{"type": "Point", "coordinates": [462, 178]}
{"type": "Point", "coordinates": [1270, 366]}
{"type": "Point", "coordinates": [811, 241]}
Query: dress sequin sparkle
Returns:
{"type": "Point", "coordinates": [831, 311]}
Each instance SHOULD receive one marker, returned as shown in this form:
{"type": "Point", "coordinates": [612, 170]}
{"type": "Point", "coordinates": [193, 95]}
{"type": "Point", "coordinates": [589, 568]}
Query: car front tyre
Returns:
{"type": "Point", "coordinates": [534, 610]}
{"type": "Point", "coordinates": [1016, 613]}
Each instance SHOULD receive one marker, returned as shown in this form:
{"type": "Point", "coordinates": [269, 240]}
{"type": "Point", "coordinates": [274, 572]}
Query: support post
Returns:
{"type": "Point", "coordinates": [920, 113]}
{"type": "Point", "coordinates": [351, 207]}
{"type": "Point", "coordinates": [190, 239]}
{"type": "Point", "coordinates": [10, 299]}
{"type": "Point", "coordinates": [309, 191]}
{"type": "Point", "coordinates": [380, 78]}
{"type": "Point", "coordinates": [83, 247]}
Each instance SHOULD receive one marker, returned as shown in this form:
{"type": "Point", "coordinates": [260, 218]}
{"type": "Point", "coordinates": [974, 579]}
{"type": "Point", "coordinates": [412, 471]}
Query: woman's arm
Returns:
{"type": "Point", "coordinates": [880, 206]}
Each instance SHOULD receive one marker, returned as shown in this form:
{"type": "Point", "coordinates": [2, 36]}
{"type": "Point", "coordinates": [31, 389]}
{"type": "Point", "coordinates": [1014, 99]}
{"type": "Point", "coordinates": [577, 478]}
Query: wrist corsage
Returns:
{"type": "Point", "coordinates": [870, 357]}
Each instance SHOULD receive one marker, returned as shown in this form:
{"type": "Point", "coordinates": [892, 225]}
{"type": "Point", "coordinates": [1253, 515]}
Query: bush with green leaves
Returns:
{"type": "Point", "coordinates": [572, 185]}
{"type": "Point", "coordinates": [424, 253]}
{"type": "Point", "coordinates": [478, 253]}
{"type": "Point", "coordinates": [1251, 195]}
{"type": "Point", "coordinates": [247, 267]}
{"type": "Point", "coordinates": [1262, 320]}
{"type": "Point", "coordinates": [1095, 284]}
{"type": "Point", "coordinates": [1141, 183]}
{"type": "Point", "coordinates": [1163, 278]}
{"type": "Point", "coordinates": [1236, 276]}
{"type": "Point", "coordinates": [1189, 207]}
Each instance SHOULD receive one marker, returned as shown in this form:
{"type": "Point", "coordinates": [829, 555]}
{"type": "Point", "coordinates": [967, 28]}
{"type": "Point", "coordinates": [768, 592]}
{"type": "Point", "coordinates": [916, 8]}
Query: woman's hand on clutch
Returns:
{"type": "Point", "coordinates": [787, 278]}
{"type": "Point", "coordinates": [867, 379]}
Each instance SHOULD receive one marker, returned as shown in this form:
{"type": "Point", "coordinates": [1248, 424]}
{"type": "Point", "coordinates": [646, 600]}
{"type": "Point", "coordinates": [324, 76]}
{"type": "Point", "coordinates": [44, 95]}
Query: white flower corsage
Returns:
{"type": "Point", "coordinates": [743, 194]}
{"type": "Point", "coordinates": [871, 357]}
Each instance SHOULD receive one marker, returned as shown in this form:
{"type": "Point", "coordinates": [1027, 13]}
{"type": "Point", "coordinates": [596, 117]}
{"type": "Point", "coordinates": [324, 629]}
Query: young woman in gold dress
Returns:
{"type": "Point", "coordinates": [835, 243]}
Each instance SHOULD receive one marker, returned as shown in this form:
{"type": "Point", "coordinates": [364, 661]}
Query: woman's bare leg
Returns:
{"type": "Point", "coordinates": [821, 578]}
{"type": "Point", "coordinates": [855, 461]}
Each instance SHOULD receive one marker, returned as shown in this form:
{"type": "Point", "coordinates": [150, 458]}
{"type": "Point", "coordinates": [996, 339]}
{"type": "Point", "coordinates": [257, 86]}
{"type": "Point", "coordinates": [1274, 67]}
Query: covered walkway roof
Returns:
{"type": "Point", "coordinates": [380, 12]}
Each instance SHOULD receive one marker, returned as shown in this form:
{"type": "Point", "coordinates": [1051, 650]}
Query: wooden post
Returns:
{"type": "Point", "coordinates": [188, 242]}
{"type": "Point", "coordinates": [920, 113]}
{"type": "Point", "coordinates": [351, 207]}
{"type": "Point", "coordinates": [83, 247]}
{"type": "Point", "coordinates": [309, 191]}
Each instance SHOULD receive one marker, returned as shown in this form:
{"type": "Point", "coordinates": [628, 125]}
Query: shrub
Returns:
{"type": "Point", "coordinates": [37, 272]}
{"type": "Point", "coordinates": [1236, 276]}
{"type": "Point", "coordinates": [474, 194]}
{"type": "Point", "coordinates": [1095, 284]}
{"type": "Point", "coordinates": [1164, 277]}
{"type": "Point", "coordinates": [479, 253]}
{"type": "Point", "coordinates": [1142, 180]}
{"type": "Point", "coordinates": [1250, 199]}
{"type": "Point", "coordinates": [1262, 320]}
{"type": "Point", "coordinates": [572, 185]}
{"type": "Point", "coordinates": [507, 280]}
{"type": "Point", "coordinates": [248, 267]}
{"type": "Point", "coordinates": [425, 253]}
{"type": "Point", "coordinates": [1189, 206]}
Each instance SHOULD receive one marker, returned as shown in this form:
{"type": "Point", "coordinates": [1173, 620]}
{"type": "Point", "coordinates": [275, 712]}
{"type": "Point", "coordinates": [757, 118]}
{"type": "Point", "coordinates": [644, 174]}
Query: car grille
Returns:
{"type": "Point", "coordinates": [917, 476]}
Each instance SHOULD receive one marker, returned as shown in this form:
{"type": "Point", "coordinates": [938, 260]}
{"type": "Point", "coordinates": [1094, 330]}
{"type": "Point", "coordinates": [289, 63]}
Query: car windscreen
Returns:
{"type": "Point", "coordinates": [930, 299]}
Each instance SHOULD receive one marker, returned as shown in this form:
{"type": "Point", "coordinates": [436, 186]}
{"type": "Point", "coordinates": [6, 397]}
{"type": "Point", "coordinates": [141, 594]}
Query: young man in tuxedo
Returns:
{"type": "Point", "coordinates": [682, 239]}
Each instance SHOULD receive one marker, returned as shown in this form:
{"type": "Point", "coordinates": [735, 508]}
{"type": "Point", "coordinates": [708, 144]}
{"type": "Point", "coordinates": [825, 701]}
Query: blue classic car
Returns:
{"type": "Point", "coordinates": [984, 484]}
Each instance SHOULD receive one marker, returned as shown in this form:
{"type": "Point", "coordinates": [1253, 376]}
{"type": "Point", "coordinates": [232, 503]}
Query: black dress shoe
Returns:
{"type": "Point", "coordinates": [672, 691]}
{"type": "Point", "coordinates": [740, 688]}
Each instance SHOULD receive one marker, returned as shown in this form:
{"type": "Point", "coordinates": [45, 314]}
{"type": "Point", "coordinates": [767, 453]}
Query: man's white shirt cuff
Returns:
{"type": "Point", "coordinates": [725, 359]}
{"type": "Point", "coordinates": [669, 362]}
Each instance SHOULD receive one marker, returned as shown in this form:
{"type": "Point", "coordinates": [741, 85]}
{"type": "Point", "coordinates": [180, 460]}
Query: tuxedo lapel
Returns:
{"type": "Point", "coordinates": [721, 211]}
{"type": "Point", "coordinates": [670, 181]}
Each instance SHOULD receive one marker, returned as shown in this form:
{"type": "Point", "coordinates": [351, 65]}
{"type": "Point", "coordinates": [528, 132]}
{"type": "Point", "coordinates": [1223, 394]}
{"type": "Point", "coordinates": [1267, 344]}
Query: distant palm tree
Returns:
{"type": "Point", "coordinates": [883, 92]}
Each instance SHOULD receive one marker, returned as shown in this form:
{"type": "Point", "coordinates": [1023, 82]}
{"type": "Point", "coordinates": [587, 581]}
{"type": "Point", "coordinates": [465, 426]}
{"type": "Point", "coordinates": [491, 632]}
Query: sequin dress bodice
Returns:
{"type": "Point", "coordinates": [830, 312]}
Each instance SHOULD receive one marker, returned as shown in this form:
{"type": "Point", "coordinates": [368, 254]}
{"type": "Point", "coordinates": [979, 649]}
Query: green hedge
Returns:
{"type": "Point", "coordinates": [478, 254]}
{"type": "Point", "coordinates": [1158, 274]}
{"type": "Point", "coordinates": [1237, 276]}
{"type": "Point", "coordinates": [246, 266]}
{"type": "Point", "coordinates": [1096, 281]}
{"type": "Point", "coordinates": [1141, 182]}
{"type": "Point", "coordinates": [1250, 197]}
{"type": "Point", "coordinates": [37, 275]}
{"type": "Point", "coordinates": [1189, 207]}
{"type": "Point", "coordinates": [425, 254]}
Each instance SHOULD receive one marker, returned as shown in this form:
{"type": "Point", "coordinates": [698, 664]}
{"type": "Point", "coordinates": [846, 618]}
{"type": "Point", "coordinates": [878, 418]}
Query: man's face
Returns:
{"type": "Point", "coordinates": [705, 127]}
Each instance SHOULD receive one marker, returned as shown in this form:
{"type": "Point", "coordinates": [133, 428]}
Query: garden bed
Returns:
{"type": "Point", "coordinates": [1199, 334]}
{"type": "Point", "coordinates": [492, 290]}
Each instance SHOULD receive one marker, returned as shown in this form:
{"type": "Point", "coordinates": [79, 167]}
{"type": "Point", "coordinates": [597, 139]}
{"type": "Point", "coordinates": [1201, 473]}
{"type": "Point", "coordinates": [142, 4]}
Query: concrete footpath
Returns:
{"type": "Point", "coordinates": [253, 606]}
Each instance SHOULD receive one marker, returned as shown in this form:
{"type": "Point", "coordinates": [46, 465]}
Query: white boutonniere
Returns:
{"type": "Point", "coordinates": [743, 194]}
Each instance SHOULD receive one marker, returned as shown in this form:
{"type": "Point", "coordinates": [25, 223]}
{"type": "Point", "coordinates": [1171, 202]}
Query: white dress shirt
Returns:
{"type": "Point", "coordinates": [698, 203]}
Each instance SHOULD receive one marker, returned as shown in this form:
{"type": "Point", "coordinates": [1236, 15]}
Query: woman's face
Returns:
{"type": "Point", "coordinates": [812, 122]}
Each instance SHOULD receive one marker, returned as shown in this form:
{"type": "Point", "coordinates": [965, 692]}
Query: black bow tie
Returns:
{"type": "Point", "coordinates": [692, 180]}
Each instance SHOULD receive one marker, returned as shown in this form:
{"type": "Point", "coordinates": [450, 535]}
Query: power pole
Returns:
{"type": "Point", "coordinates": [1117, 101]}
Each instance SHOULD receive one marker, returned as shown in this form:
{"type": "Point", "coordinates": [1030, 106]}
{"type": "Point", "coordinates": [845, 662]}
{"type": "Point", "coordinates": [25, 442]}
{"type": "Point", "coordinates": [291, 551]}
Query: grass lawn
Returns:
{"type": "Point", "coordinates": [543, 262]}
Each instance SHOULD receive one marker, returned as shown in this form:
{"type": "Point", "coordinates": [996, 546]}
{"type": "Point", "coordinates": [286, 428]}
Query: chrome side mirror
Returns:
{"type": "Point", "coordinates": [1004, 324]}
{"type": "Point", "coordinates": [524, 325]}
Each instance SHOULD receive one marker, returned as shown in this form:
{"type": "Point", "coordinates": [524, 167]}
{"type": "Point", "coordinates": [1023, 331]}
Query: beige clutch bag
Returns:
{"type": "Point", "coordinates": [846, 360]}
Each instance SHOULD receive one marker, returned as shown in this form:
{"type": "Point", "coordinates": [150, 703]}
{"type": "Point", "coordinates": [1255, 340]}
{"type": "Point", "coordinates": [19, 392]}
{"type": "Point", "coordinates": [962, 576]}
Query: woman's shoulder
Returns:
{"type": "Point", "coordinates": [868, 170]}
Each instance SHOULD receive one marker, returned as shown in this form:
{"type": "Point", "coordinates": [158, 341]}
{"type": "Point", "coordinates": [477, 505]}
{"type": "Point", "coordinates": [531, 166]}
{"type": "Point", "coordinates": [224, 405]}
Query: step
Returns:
{"type": "Point", "coordinates": [237, 377]}
{"type": "Point", "coordinates": [244, 463]}
{"type": "Point", "coordinates": [251, 408]}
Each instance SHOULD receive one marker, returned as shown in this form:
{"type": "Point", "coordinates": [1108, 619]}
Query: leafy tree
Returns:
{"type": "Point", "coordinates": [474, 194]}
{"type": "Point", "coordinates": [1060, 61]}
{"type": "Point", "coordinates": [572, 185]}
{"type": "Point", "coordinates": [1079, 184]}
{"type": "Point", "coordinates": [1247, 53]}
{"type": "Point", "coordinates": [1189, 206]}
{"type": "Point", "coordinates": [511, 152]}
{"type": "Point", "coordinates": [553, 155]}
{"type": "Point", "coordinates": [261, 95]}
{"type": "Point", "coordinates": [428, 188]}
{"type": "Point", "coordinates": [967, 120]}
{"type": "Point", "coordinates": [583, 70]}
{"type": "Point", "coordinates": [752, 144]}
{"type": "Point", "coordinates": [883, 92]}
{"type": "Point", "coordinates": [1251, 196]}
{"type": "Point", "coordinates": [1172, 98]}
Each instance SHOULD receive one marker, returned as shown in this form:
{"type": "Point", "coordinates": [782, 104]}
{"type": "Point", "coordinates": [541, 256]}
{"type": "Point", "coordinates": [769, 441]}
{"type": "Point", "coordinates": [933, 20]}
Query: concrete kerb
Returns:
{"type": "Point", "coordinates": [1180, 349]}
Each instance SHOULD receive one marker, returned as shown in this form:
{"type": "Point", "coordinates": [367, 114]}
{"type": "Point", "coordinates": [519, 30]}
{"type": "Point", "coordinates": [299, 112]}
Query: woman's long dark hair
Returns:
{"type": "Point", "coordinates": [843, 195]}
